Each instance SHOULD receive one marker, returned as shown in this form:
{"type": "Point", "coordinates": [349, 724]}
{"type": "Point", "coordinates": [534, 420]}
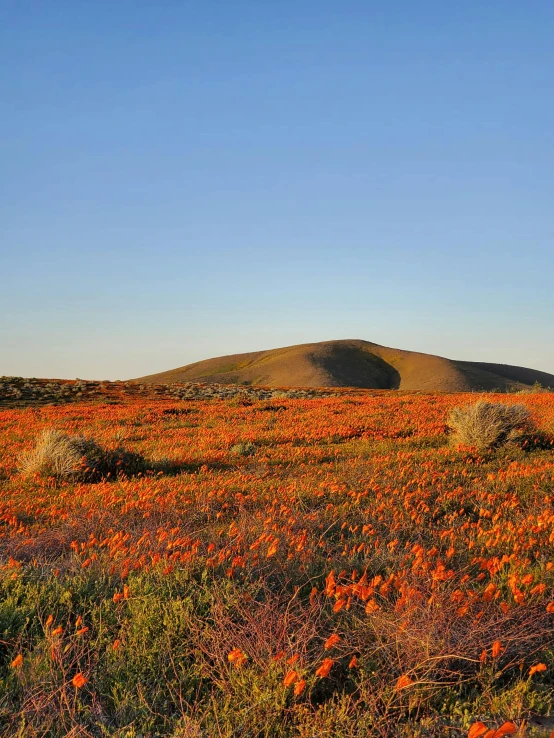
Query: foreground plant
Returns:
{"type": "Point", "coordinates": [62, 457]}
{"type": "Point", "coordinates": [486, 425]}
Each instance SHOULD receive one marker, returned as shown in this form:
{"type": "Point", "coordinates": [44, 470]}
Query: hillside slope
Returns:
{"type": "Point", "coordinates": [353, 363]}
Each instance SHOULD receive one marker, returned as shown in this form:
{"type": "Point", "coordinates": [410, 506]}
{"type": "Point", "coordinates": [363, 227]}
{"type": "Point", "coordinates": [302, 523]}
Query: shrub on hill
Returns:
{"type": "Point", "coordinates": [77, 458]}
{"type": "Point", "coordinates": [489, 424]}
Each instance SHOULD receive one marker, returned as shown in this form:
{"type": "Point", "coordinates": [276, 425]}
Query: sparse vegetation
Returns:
{"type": "Point", "coordinates": [487, 425]}
{"type": "Point", "coordinates": [243, 448]}
{"type": "Point", "coordinates": [20, 392]}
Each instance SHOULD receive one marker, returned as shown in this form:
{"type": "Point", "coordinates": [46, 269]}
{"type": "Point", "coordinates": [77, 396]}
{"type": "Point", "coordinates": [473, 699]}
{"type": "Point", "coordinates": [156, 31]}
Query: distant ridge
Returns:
{"type": "Point", "coordinates": [353, 363]}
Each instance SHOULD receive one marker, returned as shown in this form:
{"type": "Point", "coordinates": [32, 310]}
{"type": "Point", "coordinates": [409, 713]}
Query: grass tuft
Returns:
{"type": "Point", "coordinates": [244, 448]}
{"type": "Point", "coordinates": [76, 458]}
{"type": "Point", "coordinates": [486, 425]}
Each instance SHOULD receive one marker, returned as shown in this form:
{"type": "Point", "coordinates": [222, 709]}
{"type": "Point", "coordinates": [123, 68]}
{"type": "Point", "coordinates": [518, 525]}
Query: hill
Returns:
{"type": "Point", "coordinates": [353, 363]}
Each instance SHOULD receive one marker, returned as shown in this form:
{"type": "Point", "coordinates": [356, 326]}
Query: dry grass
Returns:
{"type": "Point", "coordinates": [76, 458]}
{"type": "Point", "coordinates": [60, 456]}
{"type": "Point", "coordinates": [243, 448]}
{"type": "Point", "coordinates": [489, 424]}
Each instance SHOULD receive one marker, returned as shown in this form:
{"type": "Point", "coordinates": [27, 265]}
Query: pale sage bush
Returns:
{"type": "Point", "coordinates": [489, 424]}
{"type": "Point", "coordinates": [76, 458]}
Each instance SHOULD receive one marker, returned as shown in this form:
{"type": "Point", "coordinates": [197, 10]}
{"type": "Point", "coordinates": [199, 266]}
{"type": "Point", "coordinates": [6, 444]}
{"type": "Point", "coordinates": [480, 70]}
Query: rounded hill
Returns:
{"type": "Point", "coordinates": [354, 363]}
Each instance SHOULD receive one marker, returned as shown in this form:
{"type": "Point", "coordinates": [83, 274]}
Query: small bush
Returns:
{"type": "Point", "coordinates": [78, 458]}
{"type": "Point", "coordinates": [489, 424]}
{"type": "Point", "coordinates": [245, 448]}
{"type": "Point", "coordinates": [536, 389]}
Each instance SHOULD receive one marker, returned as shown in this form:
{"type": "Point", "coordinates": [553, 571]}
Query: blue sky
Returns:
{"type": "Point", "coordinates": [182, 180]}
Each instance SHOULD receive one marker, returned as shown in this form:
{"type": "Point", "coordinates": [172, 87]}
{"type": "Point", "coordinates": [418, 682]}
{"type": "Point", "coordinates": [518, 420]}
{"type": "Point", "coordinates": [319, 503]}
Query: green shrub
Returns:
{"type": "Point", "coordinates": [244, 448]}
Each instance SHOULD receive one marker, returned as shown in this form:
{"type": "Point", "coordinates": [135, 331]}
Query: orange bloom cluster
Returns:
{"type": "Point", "coordinates": [480, 730]}
{"type": "Point", "coordinates": [359, 496]}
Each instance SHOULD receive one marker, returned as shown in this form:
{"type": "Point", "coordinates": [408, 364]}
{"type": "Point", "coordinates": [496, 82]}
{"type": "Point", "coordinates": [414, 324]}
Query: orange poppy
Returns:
{"type": "Point", "coordinates": [325, 668]}
{"type": "Point", "coordinates": [79, 681]}
{"type": "Point", "coordinates": [477, 730]}
{"type": "Point", "coordinates": [290, 678]}
{"type": "Point", "coordinates": [403, 682]}
{"type": "Point", "coordinates": [331, 641]}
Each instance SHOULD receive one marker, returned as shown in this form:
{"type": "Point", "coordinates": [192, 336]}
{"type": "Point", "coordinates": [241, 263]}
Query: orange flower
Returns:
{"type": "Point", "coordinates": [299, 687]}
{"type": "Point", "coordinates": [353, 663]}
{"type": "Point", "coordinates": [403, 682]}
{"type": "Point", "coordinates": [330, 584]}
{"type": "Point", "coordinates": [82, 630]}
{"type": "Point", "coordinates": [79, 681]}
{"type": "Point", "coordinates": [49, 621]}
{"type": "Point", "coordinates": [237, 657]}
{"type": "Point", "coordinates": [57, 631]}
{"type": "Point", "coordinates": [496, 649]}
{"type": "Point", "coordinates": [272, 550]}
{"type": "Point", "coordinates": [126, 592]}
{"type": "Point", "coordinates": [17, 663]}
{"type": "Point", "coordinates": [536, 668]}
{"type": "Point", "coordinates": [116, 644]}
{"type": "Point", "coordinates": [290, 678]}
{"type": "Point", "coordinates": [325, 668]}
{"type": "Point", "coordinates": [331, 641]}
{"type": "Point", "coordinates": [371, 606]}
{"type": "Point", "coordinates": [241, 660]}
{"type": "Point", "coordinates": [477, 729]}
{"type": "Point", "coordinates": [506, 729]}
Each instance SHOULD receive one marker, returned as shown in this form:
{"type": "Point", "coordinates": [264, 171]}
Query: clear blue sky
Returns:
{"type": "Point", "coordinates": [180, 180]}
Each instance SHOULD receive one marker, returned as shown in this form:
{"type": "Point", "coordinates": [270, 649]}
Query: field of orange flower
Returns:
{"type": "Point", "coordinates": [329, 566]}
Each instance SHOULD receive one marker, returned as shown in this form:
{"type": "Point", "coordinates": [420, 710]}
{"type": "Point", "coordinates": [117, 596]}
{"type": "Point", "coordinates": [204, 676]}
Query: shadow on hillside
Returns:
{"type": "Point", "coordinates": [351, 366]}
